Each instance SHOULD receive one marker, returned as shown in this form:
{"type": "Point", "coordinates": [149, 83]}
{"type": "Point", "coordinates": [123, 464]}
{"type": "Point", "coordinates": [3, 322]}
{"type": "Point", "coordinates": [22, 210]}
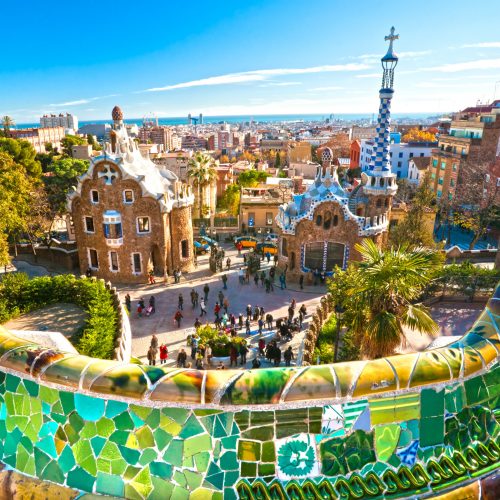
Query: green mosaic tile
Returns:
{"type": "Point", "coordinates": [432, 403]}
{"type": "Point", "coordinates": [180, 478]}
{"type": "Point", "coordinates": [105, 427]}
{"type": "Point", "coordinates": [229, 442]}
{"type": "Point", "coordinates": [161, 488]}
{"type": "Point", "coordinates": [12, 383]}
{"type": "Point", "coordinates": [123, 421]}
{"type": "Point", "coordinates": [119, 437]}
{"type": "Point", "coordinates": [180, 493]}
{"type": "Point", "coordinates": [229, 494]}
{"type": "Point", "coordinates": [89, 430]}
{"type": "Point", "coordinates": [148, 456]}
{"type": "Point", "coordinates": [231, 477]}
{"type": "Point", "coordinates": [386, 440]}
{"type": "Point", "coordinates": [249, 451]}
{"type": "Point", "coordinates": [265, 433]}
{"type": "Point", "coordinates": [431, 431]}
{"type": "Point", "coordinates": [191, 428]}
{"type": "Point", "coordinates": [142, 483]}
{"type": "Point", "coordinates": [80, 479]}
{"type": "Point", "coordinates": [187, 462]}
{"type": "Point", "coordinates": [179, 415]}
{"type": "Point", "coordinates": [114, 408]}
{"type": "Point", "coordinates": [108, 484]}
{"type": "Point", "coordinates": [194, 479]}
{"type": "Point", "coordinates": [173, 455]}
{"type": "Point", "coordinates": [67, 401]}
{"type": "Point", "coordinates": [161, 469]}
{"type": "Point", "coordinates": [145, 437]}
{"type": "Point", "coordinates": [153, 419]}
{"type": "Point", "coordinates": [268, 452]}
{"type": "Point", "coordinates": [258, 418]}
{"type": "Point", "coordinates": [315, 418]}
{"type": "Point", "coordinates": [41, 460]}
{"type": "Point", "coordinates": [161, 438]}
{"type": "Point", "coordinates": [32, 388]}
{"type": "Point", "coordinates": [204, 413]}
{"type": "Point", "coordinates": [76, 422]}
{"type": "Point", "coordinates": [475, 391]}
{"type": "Point", "coordinates": [229, 460]}
{"type": "Point", "coordinates": [201, 461]}
{"type": "Point", "coordinates": [196, 444]}
{"type": "Point", "coordinates": [455, 400]}
{"type": "Point", "coordinates": [248, 469]}
{"type": "Point", "coordinates": [267, 470]}
{"type": "Point", "coordinates": [242, 418]}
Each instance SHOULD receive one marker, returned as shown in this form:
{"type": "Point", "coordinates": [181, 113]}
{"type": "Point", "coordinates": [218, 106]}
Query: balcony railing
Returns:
{"type": "Point", "coordinates": [114, 242]}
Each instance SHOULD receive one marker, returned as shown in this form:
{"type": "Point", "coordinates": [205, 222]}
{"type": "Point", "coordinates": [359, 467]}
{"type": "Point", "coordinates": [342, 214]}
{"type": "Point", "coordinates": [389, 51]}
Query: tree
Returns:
{"type": "Point", "coordinates": [224, 159]}
{"type": "Point", "coordinates": [414, 228]}
{"type": "Point", "coordinates": [416, 135]}
{"type": "Point", "coordinates": [69, 141]}
{"type": "Point", "coordinates": [95, 145]}
{"type": "Point", "coordinates": [406, 190]}
{"type": "Point", "coordinates": [277, 161]}
{"type": "Point", "coordinates": [7, 124]}
{"type": "Point", "coordinates": [201, 170]}
{"type": "Point", "coordinates": [24, 153]}
{"type": "Point", "coordinates": [379, 295]}
{"type": "Point", "coordinates": [230, 200]}
{"type": "Point", "coordinates": [252, 177]}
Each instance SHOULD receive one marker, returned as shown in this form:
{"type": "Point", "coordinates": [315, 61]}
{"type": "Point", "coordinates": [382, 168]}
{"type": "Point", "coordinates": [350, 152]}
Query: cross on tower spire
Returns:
{"type": "Point", "coordinates": [391, 37]}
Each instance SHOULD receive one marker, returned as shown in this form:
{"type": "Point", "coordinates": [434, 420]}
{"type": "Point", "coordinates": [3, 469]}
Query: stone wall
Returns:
{"type": "Point", "coordinates": [415, 425]}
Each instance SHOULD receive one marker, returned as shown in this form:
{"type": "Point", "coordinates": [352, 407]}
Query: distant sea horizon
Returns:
{"type": "Point", "coordinates": [256, 118]}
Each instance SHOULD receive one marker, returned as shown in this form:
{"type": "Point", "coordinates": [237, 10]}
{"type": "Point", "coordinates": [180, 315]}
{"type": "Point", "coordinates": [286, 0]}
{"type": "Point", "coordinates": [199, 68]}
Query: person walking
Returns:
{"type": "Point", "coordinates": [181, 359]}
{"type": "Point", "coordinates": [206, 289]}
{"type": "Point", "coordinates": [196, 298]}
{"type": "Point", "coordinates": [262, 278]}
{"type": "Point", "coordinates": [249, 310]}
{"type": "Point", "coordinates": [180, 305]}
{"type": "Point", "coordinates": [262, 346]}
{"type": "Point", "coordinates": [197, 323]}
{"type": "Point", "coordinates": [261, 325]}
{"type": "Point", "coordinates": [282, 281]}
{"type": "Point", "coordinates": [233, 356]}
{"type": "Point", "coordinates": [178, 318]}
{"type": "Point", "coordinates": [128, 302]}
{"type": "Point", "coordinates": [301, 282]}
{"type": "Point", "coordinates": [216, 310]}
{"type": "Point", "coordinates": [288, 355]}
{"type": "Point", "coordinates": [228, 263]}
{"type": "Point", "coordinates": [269, 321]}
{"type": "Point", "coordinates": [192, 293]}
{"type": "Point", "coordinates": [268, 257]}
{"type": "Point", "coordinates": [256, 279]}
{"type": "Point", "coordinates": [221, 297]}
{"type": "Point", "coordinates": [194, 347]}
{"type": "Point", "coordinates": [154, 341]}
{"type": "Point", "coordinates": [247, 276]}
{"type": "Point", "coordinates": [277, 356]}
{"type": "Point", "coordinates": [163, 354]}
{"type": "Point", "coordinates": [152, 303]}
{"type": "Point", "coordinates": [243, 354]}
{"type": "Point", "coordinates": [152, 355]}
{"type": "Point", "coordinates": [203, 307]}
{"type": "Point", "coordinates": [224, 281]}
{"type": "Point", "coordinates": [240, 321]}
{"type": "Point", "coordinates": [247, 326]}
{"type": "Point", "coordinates": [225, 304]}
{"type": "Point", "coordinates": [208, 355]}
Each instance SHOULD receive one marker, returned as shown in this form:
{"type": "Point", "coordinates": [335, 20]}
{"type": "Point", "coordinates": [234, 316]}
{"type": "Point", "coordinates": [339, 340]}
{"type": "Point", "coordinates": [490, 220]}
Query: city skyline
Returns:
{"type": "Point", "coordinates": [255, 59]}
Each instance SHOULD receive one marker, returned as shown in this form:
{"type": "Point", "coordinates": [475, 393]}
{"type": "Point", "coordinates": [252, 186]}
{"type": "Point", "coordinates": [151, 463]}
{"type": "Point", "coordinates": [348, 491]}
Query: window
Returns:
{"type": "Point", "coordinates": [269, 218]}
{"type": "Point", "coordinates": [434, 163]}
{"type": "Point", "coordinates": [128, 196]}
{"type": "Point", "coordinates": [327, 221]}
{"type": "Point", "coordinates": [443, 165]}
{"type": "Point", "coordinates": [400, 155]}
{"type": "Point", "coordinates": [251, 219]}
{"type": "Point", "coordinates": [112, 231]}
{"type": "Point", "coordinates": [136, 263]}
{"type": "Point", "coordinates": [398, 174]}
{"type": "Point", "coordinates": [184, 249]}
{"type": "Point", "coordinates": [421, 155]}
{"type": "Point", "coordinates": [399, 164]}
{"type": "Point", "coordinates": [411, 155]}
{"type": "Point", "coordinates": [113, 261]}
{"type": "Point", "coordinates": [319, 220]}
{"type": "Point", "coordinates": [452, 182]}
{"type": "Point", "coordinates": [93, 260]}
{"type": "Point", "coordinates": [94, 196]}
{"type": "Point", "coordinates": [390, 154]}
{"type": "Point", "coordinates": [323, 255]}
{"type": "Point", "coordinates": [386, 202]}
{"type": "Point", "coordinates": [433, 176]}
{"type": "Point", "coordinates": [335, 220]}
{"type": "Point", "coordinates": [89, 224]}
{"type": "Point", "coordinates": [454, 167]}
{"type": "Point", "coordinates": [143, 225]}
{"type": "Point", "coordinates": [379, 203]}
{"type": "Point", "coordinates": [440, 181]}
{"type": "Point", "coordinates": [284, 247]}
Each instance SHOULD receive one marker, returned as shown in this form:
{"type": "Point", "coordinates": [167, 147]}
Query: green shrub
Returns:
{"type": "Point", "coordinates": [20, 295]}
{"type": "Point", "coordinates": [220, 343]}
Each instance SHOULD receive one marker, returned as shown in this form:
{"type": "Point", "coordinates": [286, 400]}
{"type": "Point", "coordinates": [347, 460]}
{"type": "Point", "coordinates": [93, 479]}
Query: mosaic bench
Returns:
{"type": "Point", "coordinates": [414, 425]}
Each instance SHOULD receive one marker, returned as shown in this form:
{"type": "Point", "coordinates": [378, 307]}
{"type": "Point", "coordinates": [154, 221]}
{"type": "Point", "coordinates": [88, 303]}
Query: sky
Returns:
{"type": "Point", "coordinates": [250, 57]}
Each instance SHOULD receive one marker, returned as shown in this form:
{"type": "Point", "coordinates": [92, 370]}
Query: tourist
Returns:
{"type": "Point", "coordinates": [256, 279]}
{"type": "Point", "coordinates": [151, 276]}
{"type": "Point", "coordinates": [128, 302]}
{"type": "Point", "coordinates": [178, 317]}
{"type": "Point", "coordinates": [277, 356]}
{"type": "Point", "coordinates": [224, 281]}
{"type": "Point", "coordinates": [256, 313]}
{"type": "Point", "coordinates": [194, 347]}
{"type": "Point", "coordinates": [275, 259]}
{"type": "Point", "coordinates": [247, 276]}
{"type": "Point", "coordinates": [247, 326]}
{"type": "Point", "coordinates": [208, 354]}
{"type": "Point", "coordinates": [141, 303]}
{"type": "Point", "coordinates": [243, 354]}
{"type": "Point", "coordinates": [293, 304]}
{"type": "Point", "coordinates": [267, 283]}
{"type": "Point", "coordinates": [268, 257]}
{"type": "Point", "coordinates": [203, 307]}
{"type": "Point", "coordinates": [272, 274]}
{"type": "Point", "coordinates": [88, 272]}
{"type": "Point", "coordinates": [199, 362]}
{"type": "Point", "coordinates": [197, 323]}
{"type": "Point", "coordinates": [233, 356]}
{"type": "Point", "coordinates": [262, 346]}
{"type": "Point", "coordinates": [240, 321]}
{"type": "Point", "coordinates": [206, 289]}
{"type": "Point", "coordinates": [249, 310]}
{"type": "Point", "coordinates": [288, 355]}
{"type": "Point", "coordinates": [181, 359]}
{"type": "Point", "coordinates": [192, 293]}
{"type": "Point", "coordinates": [225, 304]}
{"type": "Point", "coordinates": [152, 304]}
{"type": "Point", "coordinates": [163, 354]}
{"type": "Point", "coordinates": [225, 320]}
{"type": "Point", "coordinates": [220, 366]}
{"type": "Point", "coordinates": [232, 321]}
{"type": "Point", "coordinates": [241, 276]}
{"type": "Point", "coordinates": [216, 310]}
{"type": "Point", "coordinates": [282, 281]}
{"type": "Point", "coordinates": [301, 282]}
{"type": "Point", "coordinates": [139, 310]}
{"type": "Point", "coordinates": [221, 297]}
{"type": "Point", "coordinates": [239, 246]}
{"type": "Point", "coordinates": [228, 264]}
{"type": "Point", "coordinates": [269, 321]}
{"type": "Point", "coordinates": [196, 298]}
{"type": "Point", "coordinates": [262, 278]}
{"type": "Point", "coordinates": [152, 355]}
{"type": "Point", "coordinates": [261, 312]}
{"type": "Point", "coordinates": [261, 325]}
{"type": "Point", "coordinates": [180, 305]}
{"type": "Point", "coordinates": [255, 363]}
{"type": "Point", "coordinates": [154, 341]}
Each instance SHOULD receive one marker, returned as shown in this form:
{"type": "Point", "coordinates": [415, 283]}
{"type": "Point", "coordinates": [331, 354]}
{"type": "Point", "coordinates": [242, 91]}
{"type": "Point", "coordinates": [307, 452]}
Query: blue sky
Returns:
{"type": "Point", "coordinates": [243, 57]}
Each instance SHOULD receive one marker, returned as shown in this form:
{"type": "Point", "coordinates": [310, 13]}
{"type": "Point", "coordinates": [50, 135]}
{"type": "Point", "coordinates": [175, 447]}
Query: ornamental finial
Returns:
{"type": "Point", "coordinates": [391, 37]}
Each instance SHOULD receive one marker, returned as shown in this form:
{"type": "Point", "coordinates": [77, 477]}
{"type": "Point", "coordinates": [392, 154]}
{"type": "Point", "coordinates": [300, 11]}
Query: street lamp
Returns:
{"type": "Point", "coordinates": [339, 312]}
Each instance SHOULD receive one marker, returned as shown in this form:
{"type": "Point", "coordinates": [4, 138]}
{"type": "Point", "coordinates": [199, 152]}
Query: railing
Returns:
{"type": "Point", "coordinates": [114, 242]}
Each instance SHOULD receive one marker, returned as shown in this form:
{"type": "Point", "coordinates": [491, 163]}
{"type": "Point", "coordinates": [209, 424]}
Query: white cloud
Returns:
{"type": "Point", "coordinates": [280, 84]}
{"type": "Point", "coordinates": [465, 66]}
{"type": "Point", "coordinates": [79, 102]}
{"type": "Point", "coordinates": [482, 45]}
{"type": "Point", "coordinates": [412, 54]}
{"type": "Point", "coordinates": [437, 85]}
{"type": "Point", "coordinates": [325, 89]}
{"type": "Point", "coordinates": [259, 75]}
{"type": "Point", "coordinates": [370, 75]}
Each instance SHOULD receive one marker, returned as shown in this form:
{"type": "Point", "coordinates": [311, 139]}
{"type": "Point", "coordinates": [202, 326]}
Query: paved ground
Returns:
{"type": "Point", "coordinates": [239, 296]}
{"type": "Point", "coordinates": [453, 318]}
{"type": "Point", "coordinates": [462, 238]}
{"type": "Point", "coordinates": [63, 318]}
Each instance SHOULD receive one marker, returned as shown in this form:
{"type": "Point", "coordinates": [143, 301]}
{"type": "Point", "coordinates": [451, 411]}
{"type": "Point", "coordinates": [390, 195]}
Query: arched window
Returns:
{"type": "Point", "coordinates": [327, 221]}
{"type": "Point", "coordinates": [335, 220]}
{"type": "Point", "coordinates": [323, 256]}
{"type": "Point", "coordinates": [381, 182]}
{"type": "Point", "coordinates": [319, 220]}
{"type": "Point", "coordinates": [373, 181]}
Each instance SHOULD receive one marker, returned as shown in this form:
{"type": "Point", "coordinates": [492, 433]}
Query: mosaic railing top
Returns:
{"type": "Point", "coordinates": [161, 386]}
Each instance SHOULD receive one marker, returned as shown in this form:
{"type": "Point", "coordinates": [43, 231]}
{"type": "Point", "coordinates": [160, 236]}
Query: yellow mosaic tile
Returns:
{"type": "Point", "coordinates": [66, 371]}
{"type": "Point", "coordinates": [454, 358]}
{"type": "Point", "coordinates": [315, 382]}
{"type": "Point", "coordinates": [403, 364]}
{"type": "Point", "coordinates": [430, 368]}
{"type": "Point", "coordinates": [347, 374]}
{"type": "Point", "coordinates": [184, 387]}
{"type": "Point", "coordinates": [377, 376]}
{"type": "Point", "coordinates": [126, 380]}
{"type": "Point", "coordinates": [472, 361]}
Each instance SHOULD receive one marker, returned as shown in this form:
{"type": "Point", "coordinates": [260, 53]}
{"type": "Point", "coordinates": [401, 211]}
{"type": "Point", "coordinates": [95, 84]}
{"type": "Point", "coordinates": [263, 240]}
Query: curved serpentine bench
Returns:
{"type": "Point", "coordinates": [402, 425]}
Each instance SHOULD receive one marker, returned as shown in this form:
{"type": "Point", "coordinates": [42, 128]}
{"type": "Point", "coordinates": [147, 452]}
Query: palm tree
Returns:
{"type": "Point", "coordinates": [7, 124]}
{"type": "Point", "coordinates": [379, 296]}
{"type": "Point", "coordinates": [201, 170]}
